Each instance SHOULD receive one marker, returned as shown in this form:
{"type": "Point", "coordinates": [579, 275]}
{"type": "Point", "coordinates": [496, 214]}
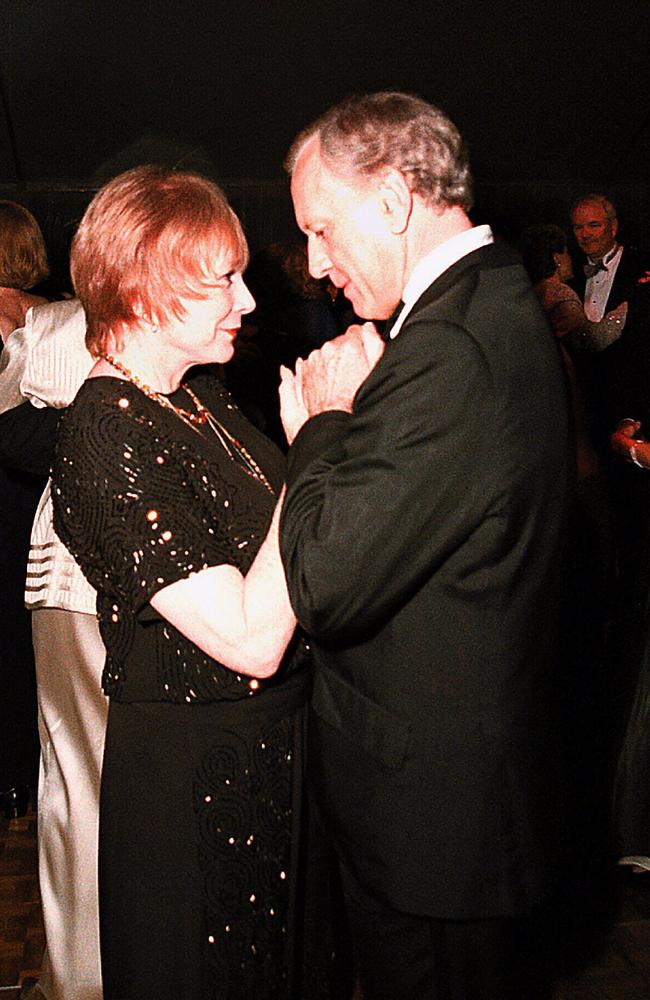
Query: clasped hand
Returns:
{"type": "Point", "coordinates": [329, 378]}
{"type": "Point", "coordinates": [626, 442]}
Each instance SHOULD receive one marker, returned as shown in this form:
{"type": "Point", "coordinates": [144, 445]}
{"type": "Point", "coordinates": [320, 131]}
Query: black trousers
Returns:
{"type": "Point", "coordinates": [401, 956]}
{"type": "Point", "coordinates": [19, 746]}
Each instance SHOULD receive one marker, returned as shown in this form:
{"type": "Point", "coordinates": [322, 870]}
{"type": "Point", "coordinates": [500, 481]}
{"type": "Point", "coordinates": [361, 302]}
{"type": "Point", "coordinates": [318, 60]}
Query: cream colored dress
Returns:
{"type": "Point", "coordinates": [45, 363]}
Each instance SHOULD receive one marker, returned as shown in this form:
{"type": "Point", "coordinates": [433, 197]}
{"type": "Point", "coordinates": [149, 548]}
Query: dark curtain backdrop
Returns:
{"type": "Point", "coordinates": [551, 97]}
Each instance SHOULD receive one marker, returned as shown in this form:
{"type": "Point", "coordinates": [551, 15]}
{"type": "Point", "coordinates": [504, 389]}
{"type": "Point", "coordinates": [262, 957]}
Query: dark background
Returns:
{"type": "Point", "coordinates": [552, 98]}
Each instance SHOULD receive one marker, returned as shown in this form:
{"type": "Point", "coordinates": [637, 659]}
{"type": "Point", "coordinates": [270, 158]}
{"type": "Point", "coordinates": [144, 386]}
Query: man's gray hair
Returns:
{"type": "Point", "coordinates": [595, 198]}
{"type": "Point", "coordinates": [364, 133]}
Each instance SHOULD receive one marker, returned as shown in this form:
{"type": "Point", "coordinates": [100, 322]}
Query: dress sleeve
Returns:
{"type": "Point", "coordinates": [567, 318]}
{"type": "Point", "coordinates": [127, 501]}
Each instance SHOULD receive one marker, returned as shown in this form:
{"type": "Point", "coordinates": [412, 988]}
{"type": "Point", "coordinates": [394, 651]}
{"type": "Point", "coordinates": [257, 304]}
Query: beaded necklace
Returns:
{"type": "Point", "coordinates": [202, 418]}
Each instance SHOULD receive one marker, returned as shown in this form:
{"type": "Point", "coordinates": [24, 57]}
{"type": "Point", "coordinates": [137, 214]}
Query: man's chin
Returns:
{"type": "Point", "coordinates": [370, 312]}
{"type": "Point", "coordinates": [364, 310]}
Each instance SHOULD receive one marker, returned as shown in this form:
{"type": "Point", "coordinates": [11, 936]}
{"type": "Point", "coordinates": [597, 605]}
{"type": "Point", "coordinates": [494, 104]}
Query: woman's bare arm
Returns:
{"type": "Point", "coordinates": [244, 622]}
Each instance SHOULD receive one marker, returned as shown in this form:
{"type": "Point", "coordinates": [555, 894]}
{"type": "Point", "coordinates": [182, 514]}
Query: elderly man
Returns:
{"type": "Point", "coordinates": [611, 271]}
{"type": "Point", "coordinates": [420, 536]}
{"type": "Point", "coordinates": [612, 274]}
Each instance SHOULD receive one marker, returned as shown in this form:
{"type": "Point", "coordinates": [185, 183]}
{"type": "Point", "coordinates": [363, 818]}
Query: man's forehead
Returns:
{"type": "Point", "coordinates": [308, 167]}
{"type": "Point", "coordinates": [589, 209]}
{"type": "Point", "coordinates": [316, 188]}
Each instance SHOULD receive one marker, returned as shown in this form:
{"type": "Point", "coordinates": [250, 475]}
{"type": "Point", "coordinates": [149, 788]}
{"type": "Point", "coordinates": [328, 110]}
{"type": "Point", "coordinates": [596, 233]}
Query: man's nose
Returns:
{"type": "Point", "coordinates": [319, 262]}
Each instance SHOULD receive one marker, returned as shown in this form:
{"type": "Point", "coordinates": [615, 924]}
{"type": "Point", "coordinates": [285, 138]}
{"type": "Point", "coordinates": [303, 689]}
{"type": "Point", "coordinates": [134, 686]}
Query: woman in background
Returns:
{"type": "Point", "coordinates": [23, 265]}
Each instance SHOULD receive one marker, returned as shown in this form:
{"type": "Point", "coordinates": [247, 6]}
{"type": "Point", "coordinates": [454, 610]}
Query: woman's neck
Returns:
{"type": "Point", "coordinates": [139, 358]}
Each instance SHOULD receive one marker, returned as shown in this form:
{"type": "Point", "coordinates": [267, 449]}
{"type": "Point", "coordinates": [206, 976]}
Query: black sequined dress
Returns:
{"type": "Point", "coordinates": [201, 893]}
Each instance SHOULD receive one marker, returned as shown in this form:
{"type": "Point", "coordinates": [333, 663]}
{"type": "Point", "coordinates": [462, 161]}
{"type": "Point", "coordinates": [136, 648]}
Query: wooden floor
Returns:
{"type": "Point", "coordinates": [618, 967]}
{"type": "Point", "coordinates": [21, 928]}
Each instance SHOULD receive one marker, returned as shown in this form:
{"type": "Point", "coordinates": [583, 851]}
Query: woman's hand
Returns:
{"type": "Point", "coordinates": [618, 316]}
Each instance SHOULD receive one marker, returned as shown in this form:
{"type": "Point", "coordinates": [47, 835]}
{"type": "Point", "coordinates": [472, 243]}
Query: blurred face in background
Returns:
{"type": "Point", "coordinates": [595, 233]}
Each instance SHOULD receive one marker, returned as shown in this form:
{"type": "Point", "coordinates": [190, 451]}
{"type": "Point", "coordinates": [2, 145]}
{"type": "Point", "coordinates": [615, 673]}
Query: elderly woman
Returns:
{"type": "Point", "coordinates": [170, 500]}
{"type": "Point", "coordinates": [23, 264]}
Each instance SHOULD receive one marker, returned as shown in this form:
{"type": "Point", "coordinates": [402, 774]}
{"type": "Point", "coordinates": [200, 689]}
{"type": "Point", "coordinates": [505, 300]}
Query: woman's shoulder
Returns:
{"type": "Point", "coordinates": [112, 434]}
{"type": "Point", "coordinates": [100, 406]}
{"type": "Point", "coordinates": [101, 393]}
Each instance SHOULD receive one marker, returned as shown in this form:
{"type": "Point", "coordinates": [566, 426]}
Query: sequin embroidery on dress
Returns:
{"type": "Point", "coordinates": [144, 500]}
{"type": "Point", "coordinates": [167, 511]}
{"type": "Point", "coordinates": [242, 796]}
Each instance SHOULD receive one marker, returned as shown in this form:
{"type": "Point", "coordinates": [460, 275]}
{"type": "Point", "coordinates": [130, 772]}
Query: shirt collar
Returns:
{"type": "Point", "coordinates": [609, 257]}
{"type": "Point", "coordinates": [436, 263]}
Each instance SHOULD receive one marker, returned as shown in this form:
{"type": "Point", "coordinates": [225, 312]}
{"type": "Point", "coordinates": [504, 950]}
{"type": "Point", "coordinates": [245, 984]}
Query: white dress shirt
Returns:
{"type": "Point", "coordinates": [44, 363]}
{"type": "Point", "coordinates": [436, 263]}
{"type": "Point", "coordinates": [598, 287]}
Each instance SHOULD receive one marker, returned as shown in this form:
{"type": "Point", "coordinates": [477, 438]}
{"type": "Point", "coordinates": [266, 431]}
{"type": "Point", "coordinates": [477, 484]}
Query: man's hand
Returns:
{"type": "Point", "coordinates": [628, 427]}
{"type": "Point", "coordinates": [329, 378]}
{"type": "Point", "coordinates": [624, 442]}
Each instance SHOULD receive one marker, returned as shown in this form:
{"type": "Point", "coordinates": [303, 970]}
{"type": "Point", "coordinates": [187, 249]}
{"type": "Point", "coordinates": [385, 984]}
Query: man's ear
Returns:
{"type": "Point", "coordinates": [396, 199]}
{"type": "Point", "coordinates": [615, 226]}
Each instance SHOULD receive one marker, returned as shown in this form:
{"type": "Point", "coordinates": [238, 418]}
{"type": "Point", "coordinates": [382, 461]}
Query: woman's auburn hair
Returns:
{"type": "Point", "coordinates": [23, 256]}
{"type": "Point", "coordinates": [150, 238]}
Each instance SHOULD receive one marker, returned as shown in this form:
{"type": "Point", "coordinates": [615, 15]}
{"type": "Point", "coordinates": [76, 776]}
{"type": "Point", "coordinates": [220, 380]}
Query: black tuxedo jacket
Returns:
{"type": "Point", "coordinates": [632, 266]}
{"type": "Point", "coordinates": [420, 538]}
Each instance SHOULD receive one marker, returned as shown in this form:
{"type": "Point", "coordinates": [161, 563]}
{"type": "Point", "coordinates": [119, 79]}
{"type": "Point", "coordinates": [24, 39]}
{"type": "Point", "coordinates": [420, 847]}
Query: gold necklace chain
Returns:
{"type": "Point", "coordinates": [233, 448]}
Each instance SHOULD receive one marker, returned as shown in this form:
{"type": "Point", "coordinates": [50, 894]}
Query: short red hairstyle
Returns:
{"type": "Point", "coordinates": [150, 238]}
